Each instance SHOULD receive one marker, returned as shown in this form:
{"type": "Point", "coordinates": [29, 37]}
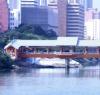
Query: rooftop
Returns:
{"type": "Point", "coordinates": [60, 41]}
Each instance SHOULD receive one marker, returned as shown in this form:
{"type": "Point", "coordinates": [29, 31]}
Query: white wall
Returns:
{"type": "Point", "coordinates": [14, 18]}
{"type": "Point", "coordinates": [15, 8]}
{"type": "Point", "coordinates": [93, 28]}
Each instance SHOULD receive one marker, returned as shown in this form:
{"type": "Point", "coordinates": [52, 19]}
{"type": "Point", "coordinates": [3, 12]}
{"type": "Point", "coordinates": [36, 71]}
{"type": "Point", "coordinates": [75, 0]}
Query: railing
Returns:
{"type": "Point", "coordinates": [59, 55]}
{"type": "Point", "coordinates": [55, 52]}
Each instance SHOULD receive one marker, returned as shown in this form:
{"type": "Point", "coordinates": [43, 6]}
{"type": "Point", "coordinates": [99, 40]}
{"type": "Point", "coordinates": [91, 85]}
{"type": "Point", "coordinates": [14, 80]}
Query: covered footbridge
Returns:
{"type": "Point", "coordinates": [63, 47]}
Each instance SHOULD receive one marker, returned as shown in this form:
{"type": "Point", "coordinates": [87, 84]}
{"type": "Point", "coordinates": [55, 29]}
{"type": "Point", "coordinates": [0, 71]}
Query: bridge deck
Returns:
{"type": "Point", "coordinates": [89, 55]}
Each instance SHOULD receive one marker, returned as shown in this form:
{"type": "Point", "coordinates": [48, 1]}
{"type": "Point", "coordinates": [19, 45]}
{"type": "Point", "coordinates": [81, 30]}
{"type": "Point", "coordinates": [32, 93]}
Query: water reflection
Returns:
{"type": "Point", "coordinates": [73, 72]}
{"type": "Point", "coordinates": [83, 72]}
{"type": "Point", "coordinates": [50, 81]}
{"type": "Point", "coordinates": [89, 73]}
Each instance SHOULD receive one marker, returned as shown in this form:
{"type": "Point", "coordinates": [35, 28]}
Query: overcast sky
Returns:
{"type": "Point", "coordinates": [96, 4]}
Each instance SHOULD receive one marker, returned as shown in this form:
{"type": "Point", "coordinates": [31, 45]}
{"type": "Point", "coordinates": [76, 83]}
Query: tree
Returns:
{"type": "Point", "coordinates": [26, 32]}
{"type": "Point", "coordinates": [51, 34]}
{"type": "Point", "coordinates": [5, 60]}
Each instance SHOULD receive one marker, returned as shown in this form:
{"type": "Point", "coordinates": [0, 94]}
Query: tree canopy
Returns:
{"type": "Point", "coordinates": [5, 60]}
{"type": "Point", "coordinates": [26, 32]}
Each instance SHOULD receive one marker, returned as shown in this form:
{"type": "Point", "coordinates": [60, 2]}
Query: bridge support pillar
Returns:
{"type": "Point", "coordinates": [67, 66]}
{"type": "Point", "coordinates": [67, 63]}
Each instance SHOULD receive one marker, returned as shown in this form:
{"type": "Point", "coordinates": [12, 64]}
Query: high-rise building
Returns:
{"type": "Point", "coordinates": [62, 17]}
{"type": "Point", "coordinates": [71, 18]}
{"type": "Point", "coordinates": [35, 16]}
{"type": "Point", "coordinates": [14, 18]}
{"type": "Point", "coordinates": [15, 13]}
{"type": "Point", "coordinates": [52, 2]}
{"type": "Point", "coordinates": [3, 15]}
{"type": "Point", "coordinates": [41, 14]}
{"type": "Point", "coordinates": [92, 24]}
{"type": "Point", "coordinates": [75, 18]}
{"type": "Point", "coordinates": [88, 4]}
{"type": "Point", "coordinates": [53, 15]}
{"type": "Point", "coordinates": [31, 3]}
{"type": "Point", "coordinates": [14, 4]}
{"type": "Point", "coordinates": [43, 2]}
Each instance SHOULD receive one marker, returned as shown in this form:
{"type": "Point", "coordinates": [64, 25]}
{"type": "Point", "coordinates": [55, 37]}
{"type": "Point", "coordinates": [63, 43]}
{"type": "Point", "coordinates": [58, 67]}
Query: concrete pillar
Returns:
{"type": "Point", "coordinates": [67, 68]}
{"type": "Point", "coordinates": [67, 63]}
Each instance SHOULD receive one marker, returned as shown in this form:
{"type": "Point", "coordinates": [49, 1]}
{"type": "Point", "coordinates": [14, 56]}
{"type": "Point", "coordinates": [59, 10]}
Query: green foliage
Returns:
{"type": "Point", "coordinates": [36, 30]}
{"type": "Point", "coordinates": [5, 60]}
{"type": "Point", "coordinates": [26, 32]}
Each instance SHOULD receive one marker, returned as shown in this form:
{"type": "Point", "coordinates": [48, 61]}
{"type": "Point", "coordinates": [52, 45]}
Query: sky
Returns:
{"type": "Point", "coordinates": [96, 4]}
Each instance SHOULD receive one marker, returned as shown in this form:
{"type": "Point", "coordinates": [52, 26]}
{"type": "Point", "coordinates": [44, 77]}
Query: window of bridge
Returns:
{"type": "Point", "coordinates": [91, 50]}
{"type": "Point", "coordinates": [79, 50]}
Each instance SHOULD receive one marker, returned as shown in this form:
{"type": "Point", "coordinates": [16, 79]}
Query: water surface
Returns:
{"type": "Point", "coordinates": [50, 82]}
